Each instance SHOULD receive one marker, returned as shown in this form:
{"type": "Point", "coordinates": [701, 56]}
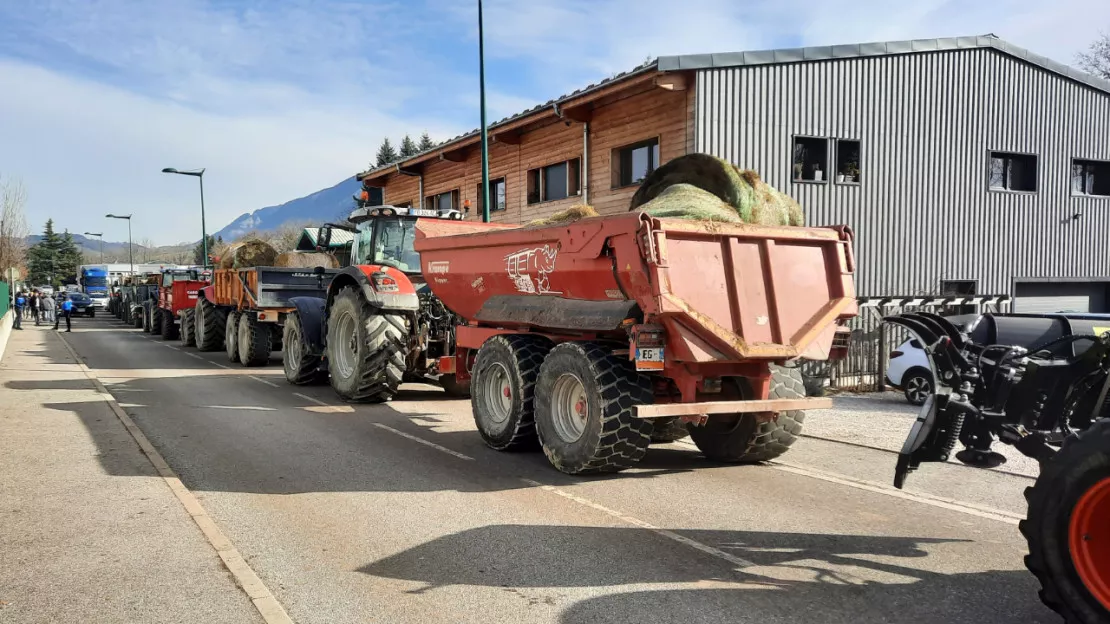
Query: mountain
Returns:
{"type": "Point", "coordinates": [329, 204]}
{"type": "Point", "coordinates": [117, 252]}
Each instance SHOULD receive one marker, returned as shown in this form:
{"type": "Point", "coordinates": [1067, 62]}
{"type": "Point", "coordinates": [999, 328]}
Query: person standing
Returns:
{"type": "Point", "coordinates": [67, 308]}
{"type": "Point", "coordinates": [19, 303]}
{"type": "Point", "coordinates": [47, 307]}
{"type": "Point", "coordinates": [34, 305]}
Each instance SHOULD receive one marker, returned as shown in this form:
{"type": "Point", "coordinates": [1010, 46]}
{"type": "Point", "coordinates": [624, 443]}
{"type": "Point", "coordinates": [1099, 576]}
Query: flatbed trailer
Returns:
{"type": "Point", "coordinates": [244, 310]}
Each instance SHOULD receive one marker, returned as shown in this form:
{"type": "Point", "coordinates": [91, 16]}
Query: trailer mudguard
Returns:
{"type": "Point", "coordinates": [384, 287]}
{"type": "Point", "coordinates": [311, 311]}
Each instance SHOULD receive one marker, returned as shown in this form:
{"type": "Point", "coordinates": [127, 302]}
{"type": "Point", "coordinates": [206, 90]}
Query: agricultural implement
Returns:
{"type": "Point", "coordinates": [1040, 383]}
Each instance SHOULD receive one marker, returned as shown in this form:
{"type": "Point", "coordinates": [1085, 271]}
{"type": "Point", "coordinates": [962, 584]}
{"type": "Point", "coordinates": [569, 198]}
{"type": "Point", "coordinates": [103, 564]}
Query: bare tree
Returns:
{"type": "Point", "coordinates": [1096, 60]}
{"type": "Point", "coordinates": [146, 250]}
{"type": "Point", "coordinates": [13, 224]}
{"type": "Point", "coordinates": [286, 237]}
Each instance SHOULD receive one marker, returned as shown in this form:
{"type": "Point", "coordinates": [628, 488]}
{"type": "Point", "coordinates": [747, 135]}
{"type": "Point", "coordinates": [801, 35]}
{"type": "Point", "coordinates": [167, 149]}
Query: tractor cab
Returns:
{"type": "Point", "coordinates": [384, 235]}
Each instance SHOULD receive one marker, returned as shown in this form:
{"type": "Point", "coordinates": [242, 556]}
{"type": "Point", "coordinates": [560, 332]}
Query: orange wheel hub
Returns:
{"type": "Point", "coordinates": [1089, 540]}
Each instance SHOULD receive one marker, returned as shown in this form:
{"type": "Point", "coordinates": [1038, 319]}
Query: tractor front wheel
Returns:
{"type": "Point", "coordinates": [169, 328]}
{"type": "Point", "coordinates": [188, 331]}
{"type": "Point", "coordinates": [1068, 527]}
{"type": "Point", "coordinates": [366, 349]}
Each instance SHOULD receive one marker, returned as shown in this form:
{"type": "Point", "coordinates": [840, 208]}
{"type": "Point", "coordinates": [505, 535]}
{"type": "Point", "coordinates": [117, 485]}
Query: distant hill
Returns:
{"type": "Point", "coordinates": [329, 204]}
{"type": "Point", "coordinates": [117, 251]}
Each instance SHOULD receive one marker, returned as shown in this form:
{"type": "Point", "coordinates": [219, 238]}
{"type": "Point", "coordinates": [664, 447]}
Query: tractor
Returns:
{"type": "Point", "coordinates": [1040, 383]}
{"type": "Point", "coordinates": [378, 324]}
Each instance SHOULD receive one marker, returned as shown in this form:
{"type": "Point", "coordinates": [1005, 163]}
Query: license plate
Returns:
{"type": "Point", "coordinates": [649, 359]}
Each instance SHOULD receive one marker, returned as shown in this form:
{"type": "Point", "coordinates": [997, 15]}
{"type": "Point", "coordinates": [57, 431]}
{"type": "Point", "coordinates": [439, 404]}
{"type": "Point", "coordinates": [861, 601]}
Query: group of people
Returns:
{"type": "Point", "coordinates": [42, 308]}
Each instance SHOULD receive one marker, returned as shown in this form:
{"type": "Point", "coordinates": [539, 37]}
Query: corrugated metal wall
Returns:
{"type": "Point", "coordinates": [927, 122]}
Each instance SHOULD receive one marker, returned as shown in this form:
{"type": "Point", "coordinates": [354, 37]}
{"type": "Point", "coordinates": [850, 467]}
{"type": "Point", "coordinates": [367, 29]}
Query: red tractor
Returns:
{"type": "Point", "coordinates": [177, 297]}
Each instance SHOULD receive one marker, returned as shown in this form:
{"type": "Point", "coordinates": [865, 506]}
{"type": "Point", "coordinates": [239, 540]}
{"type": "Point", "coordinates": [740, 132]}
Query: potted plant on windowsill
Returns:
{"type": "Point", "coordinates": [851, 172]}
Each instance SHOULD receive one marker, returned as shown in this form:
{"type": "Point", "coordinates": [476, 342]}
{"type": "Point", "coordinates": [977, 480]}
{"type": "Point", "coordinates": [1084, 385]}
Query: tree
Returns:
{"type": "Point", "coordinates": [198, 251]}
{"type": "Point", "coordinates": [386, 153]}
{"type": "Point", "coordinates": [145, 250]}
{"type": "Point", "coordinates": [425, 143]}
{"type": "Point", "coordinates": [1096, 60]}
{"type": "Point", "coordinates": [408, 148]}
{"type": "Point", "coordinates": [13, 226]}
{"type": "Point", "coordinates": [53, 258]}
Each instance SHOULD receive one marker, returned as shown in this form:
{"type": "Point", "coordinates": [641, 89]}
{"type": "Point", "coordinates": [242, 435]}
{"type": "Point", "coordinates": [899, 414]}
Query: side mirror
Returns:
{"type": "Point", "coordinates": [318, 271]}
{"type": "Point", "coordinates": [323, 238]}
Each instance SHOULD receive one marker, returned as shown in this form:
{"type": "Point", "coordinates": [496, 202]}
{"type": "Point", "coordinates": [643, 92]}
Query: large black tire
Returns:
{"type": "Point", "coordinates": [150, 319]}
{"type": "Point", "coordinates": [366, 349]}
{"type": "Point", "coordinates": [254, 341]}
{"type": "Point", "coordinates": [453, 387]}
{"type": "Point", "coordinates": [507, 364]}
{"type": "Point", "coordinates": [188, 331]}
{"type": "Point", "coordinates": [740, 438]}
{"type": "Point", "coordinates": [301, 367]}
{"type": "Point", "coordinates": [136, 317]}
{"type": "Point", "coordinates": [231, 336]}
{"type": "Point", "coordinates": [668, 430]}
{"type": "Point", "coordinates": [1079, 469]}
{"type": "Point", "coordinates": [169, 327]}
{"type": "Point", "coordinates": [210, 321]}
{"type": "Point", "coordinates": [582, 385]}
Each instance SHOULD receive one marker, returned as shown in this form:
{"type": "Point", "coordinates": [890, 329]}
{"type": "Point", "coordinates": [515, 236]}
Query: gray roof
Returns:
{"type": "Point", "coordinates": [885, 48]}
{"type": "Point", "coordinates": [339, 237]}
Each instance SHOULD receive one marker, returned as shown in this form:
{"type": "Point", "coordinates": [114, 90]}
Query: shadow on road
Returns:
{"type": "Point", "coordinates": [795, 577]}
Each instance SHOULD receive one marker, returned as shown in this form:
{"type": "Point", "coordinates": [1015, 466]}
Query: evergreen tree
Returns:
{"type": "Point", "coordinates": [198, 251]}
{"type": "Point", "coordinates": [408, 148]}
{"type": "Point", "coordinates": [53, 259]}
{"type": "Point", "coordinates": [425, 142]}
{"type": "Point", "coordinates": [386, 153]}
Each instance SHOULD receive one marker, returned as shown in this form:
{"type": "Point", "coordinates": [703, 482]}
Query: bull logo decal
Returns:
{"type": "Point", "coordinates": [529, 269]}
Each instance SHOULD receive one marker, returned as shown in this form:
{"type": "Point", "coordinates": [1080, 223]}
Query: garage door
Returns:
{"type": "Point", "coordinates": [1047, 297]}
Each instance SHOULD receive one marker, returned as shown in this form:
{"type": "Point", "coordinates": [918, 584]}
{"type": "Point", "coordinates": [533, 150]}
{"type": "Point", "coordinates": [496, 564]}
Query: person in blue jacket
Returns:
{"type": "Point", "coordinates": [66, 311]}
{"type": "Point", "coordinates": [19, 302]}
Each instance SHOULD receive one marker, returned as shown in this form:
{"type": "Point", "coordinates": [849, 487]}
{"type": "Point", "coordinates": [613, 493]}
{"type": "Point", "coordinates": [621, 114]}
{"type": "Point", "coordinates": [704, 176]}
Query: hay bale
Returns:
{"type": "Point", "coordinates": [306, 260]}
{"type": "Point", "coordinates": [248, 253]}
{"type": "Point", "coordinates": [686, 201]}
{"type": "Point", "coordinates": [741, 190]}
{"type": "Point", "coordinates": [570, 215]}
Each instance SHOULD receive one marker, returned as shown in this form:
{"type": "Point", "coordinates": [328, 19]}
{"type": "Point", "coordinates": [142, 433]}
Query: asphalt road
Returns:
{"type": "Point", "coordinates": [399, 514]}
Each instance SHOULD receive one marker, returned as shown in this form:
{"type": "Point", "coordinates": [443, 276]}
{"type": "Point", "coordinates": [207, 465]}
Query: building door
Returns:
{"type": "Point", "coordinates": [1050, 297]}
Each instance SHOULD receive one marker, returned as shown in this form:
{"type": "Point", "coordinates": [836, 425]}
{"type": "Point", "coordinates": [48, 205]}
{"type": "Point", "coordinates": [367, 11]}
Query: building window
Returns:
{"type": "Point", "coordinates": [496, 195]}
{"type": "Point", "coordinates": [443, 201]}
{"type": "Point", "coordinates": [633, 163]}
{"type": "Point", "coordinates": [811, 159]}
{"type": "Point", "coordinates": [1013, 172]}
{"type": "Point", "coordinates": [1090, 177]}
{"type": "Point", "coordinates": [959, 288]}
{"type": "Point", "coordinates": [553, 182]}
{"type": "Point", "coordinates": [847, 161]}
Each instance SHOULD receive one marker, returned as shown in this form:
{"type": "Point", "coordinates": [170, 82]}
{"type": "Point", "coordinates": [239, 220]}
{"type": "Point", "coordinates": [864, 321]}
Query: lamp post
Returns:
{"type": "Point", "coordinates": [485, 132]}
{"type": "Point", "coordinates": [100, 235]}
{"type": "Point", "coordinates": [198, 174]}
{"type": "Point", "coordinates": [130, 252]}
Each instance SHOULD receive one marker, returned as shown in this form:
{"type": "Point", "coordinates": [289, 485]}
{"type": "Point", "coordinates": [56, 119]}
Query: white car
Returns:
{"type": "Point", "coordinates": [99, 301]}
{"type": "Point", "coordinates": [908, 370]}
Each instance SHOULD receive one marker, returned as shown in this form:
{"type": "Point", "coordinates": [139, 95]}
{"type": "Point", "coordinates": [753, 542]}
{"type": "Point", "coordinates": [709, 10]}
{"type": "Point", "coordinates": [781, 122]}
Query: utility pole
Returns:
{"type": "Point", "coordinates": [485, 130]}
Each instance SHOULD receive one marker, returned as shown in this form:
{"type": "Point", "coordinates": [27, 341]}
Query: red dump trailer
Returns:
{"type": "Point", "coordinates": [597, 336]}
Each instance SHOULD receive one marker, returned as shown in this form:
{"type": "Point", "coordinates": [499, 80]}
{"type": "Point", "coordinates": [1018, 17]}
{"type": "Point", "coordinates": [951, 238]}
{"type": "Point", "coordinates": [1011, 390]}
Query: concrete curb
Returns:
{"type": "Point", "coordinates": [6, 330]}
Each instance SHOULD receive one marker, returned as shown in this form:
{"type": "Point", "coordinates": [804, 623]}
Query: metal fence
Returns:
{"type": "Point", "coordinates": [864, 368]}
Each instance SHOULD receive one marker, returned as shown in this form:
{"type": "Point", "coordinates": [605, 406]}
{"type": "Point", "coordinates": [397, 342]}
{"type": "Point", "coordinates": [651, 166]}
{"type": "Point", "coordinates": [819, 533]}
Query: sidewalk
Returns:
{"type": "Point", "coordinates": [88, 531]}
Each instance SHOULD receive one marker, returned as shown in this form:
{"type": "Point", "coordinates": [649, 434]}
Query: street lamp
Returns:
{"type": "Point", "coordinates": [199, 174]}
{"type": "Point", "coordinates": [101, 236]}
{"type": "Point", "coordinates": [485, 130]}
{"type": "Point", "coordinates": [130, 253]}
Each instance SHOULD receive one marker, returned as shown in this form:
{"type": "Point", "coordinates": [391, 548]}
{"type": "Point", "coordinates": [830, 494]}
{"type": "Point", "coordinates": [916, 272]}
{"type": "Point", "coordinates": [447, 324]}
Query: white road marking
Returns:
{"type": "Point", "coordinates": [249, 408]}
{"type": "Point", "coordinates": [424, 442]}
{"type": "Point", "coordinates": [671, 535]}
{"type": "Point", "coordinates": [261, 380]}
{"type": "Point", "coordinates": [192, 355]}
{"type": "Point", "coordinates": [312, 400]}
{"type": "Point", "coordinates": [218, 364]}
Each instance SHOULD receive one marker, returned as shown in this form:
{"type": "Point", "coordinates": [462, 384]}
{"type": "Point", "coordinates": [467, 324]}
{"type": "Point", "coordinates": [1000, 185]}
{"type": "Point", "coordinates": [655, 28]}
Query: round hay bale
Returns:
{"type": "Point", "coordinates": [570, 215]}
{"type": "Point", "coordinates": [249, 253]}
{"type": "Point", "coordinates": [306, 260]}
{"type": "Point", "coordinates": [701, 170]}
{"type": "Point", "coordinates": [686, 201]}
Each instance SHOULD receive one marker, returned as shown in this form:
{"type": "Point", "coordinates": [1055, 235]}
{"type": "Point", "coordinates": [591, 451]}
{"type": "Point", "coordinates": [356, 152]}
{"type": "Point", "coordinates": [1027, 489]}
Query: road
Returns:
{"type": "Point", "coordinates": [399, 514]}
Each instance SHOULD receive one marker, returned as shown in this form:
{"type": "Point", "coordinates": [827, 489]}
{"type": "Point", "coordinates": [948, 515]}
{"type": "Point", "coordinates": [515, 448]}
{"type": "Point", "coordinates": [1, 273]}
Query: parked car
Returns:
{"type": "Point", "coordinates": [82, 303]}
{"type": "Point", "coordinates": [908, 370]}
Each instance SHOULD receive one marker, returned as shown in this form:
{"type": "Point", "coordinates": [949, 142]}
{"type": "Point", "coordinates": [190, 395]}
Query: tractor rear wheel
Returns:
{"type": "Point", "coordinates": [254, 340]}
{"type": "Point", "coordinates": [503, 386]}
{"type": "Point", "coordinates": [169, 328]}
{"type": "Point", "coordinates": [366, 349]}
{"type": "Point", "coordinates": [1068, 527]}
{"type": "Point", "coordinates": [740, 438]}
{"type": "Point", "coordinates": [188, 332]}
{"type": "Point", "coordinates": [301, 367]}
{"type": "Point", "coordinates": [231, 336]}
{"type": "Point", "coordinates": [585, 409]}
{"type": "Point", "coordinates": [210, 321]}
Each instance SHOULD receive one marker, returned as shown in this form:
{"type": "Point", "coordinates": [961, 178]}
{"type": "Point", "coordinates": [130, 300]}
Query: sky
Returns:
{"type": "Point", "coordinates": [277, 99]}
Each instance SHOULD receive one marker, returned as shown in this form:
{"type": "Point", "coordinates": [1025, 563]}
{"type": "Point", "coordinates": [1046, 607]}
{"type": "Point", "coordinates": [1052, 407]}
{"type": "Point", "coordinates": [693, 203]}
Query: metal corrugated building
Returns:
{"type": "Point", "coordinates": [927, 116]}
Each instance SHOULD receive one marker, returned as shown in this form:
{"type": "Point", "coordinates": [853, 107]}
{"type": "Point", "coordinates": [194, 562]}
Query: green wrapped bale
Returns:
{"type": "Point", "coordinates": [722, 187]}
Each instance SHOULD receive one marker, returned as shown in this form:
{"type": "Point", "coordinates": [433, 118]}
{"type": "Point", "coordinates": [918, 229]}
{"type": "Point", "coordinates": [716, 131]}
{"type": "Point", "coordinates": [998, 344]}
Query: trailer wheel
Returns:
{"type": "Point", "coordinates": [254, 341]}
{"type": "Point", "coordinates": [210, 325]}
{"type": "Point", "coordinates": [188, 332]}
{"type": "Point", "coordinates": [231, 336]}
{"type": "Point", "coordinates": [668, 430]}
{"type": "Point", "coordinates": [585, 409]}
{"type": "Point", "coordinates": [149, 318]}
{"type": "Point", "coordinates": [169, 328]}
{"type": "Point", "coordinates": [1068, 527]}
{"type": "Point", "coordinates": [366, 349]}
{"type": "Point", "coordinates": [136, 317]}
{"type": "Point", "coordinates": [301, 367]}
{"type": "Point", "coordinates": [503, 385]}
{"type": "Point", "coordinates": [453, 387]}
{"type": "Point", "coordinates": [738, 438]}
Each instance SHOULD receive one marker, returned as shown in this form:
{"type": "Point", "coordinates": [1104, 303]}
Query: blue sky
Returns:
{"type": "Point", "coordinates": [280, 98]}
